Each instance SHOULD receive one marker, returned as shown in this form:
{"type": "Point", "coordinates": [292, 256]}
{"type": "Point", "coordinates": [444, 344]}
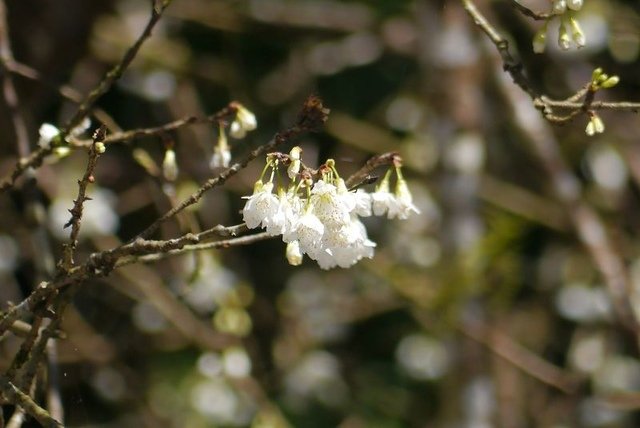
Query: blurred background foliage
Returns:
{"type": "Point", "coordinates": [485, 310]}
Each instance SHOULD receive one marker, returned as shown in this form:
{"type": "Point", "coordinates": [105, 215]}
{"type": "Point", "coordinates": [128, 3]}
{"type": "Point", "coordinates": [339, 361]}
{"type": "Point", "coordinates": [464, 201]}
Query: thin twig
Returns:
{"type": "Point", "coordinates": [25, 307]}
{"type": "Point", "coordinates": [25, 348]}
{"type": "Point", "coordinates": [31, 367]}
{"type": "Point", "coordinates": [519, 356]}
{"type": "Point", "coordinates": [227, 243]}
{"type": "Point", "coordinates": [66, 91]}
{"type": "Point", "coordinates": [19, 398]}
{"type": "Point", "coordinates": [78, 204]}
{"type": "Point", "coordinates": [121, 137]}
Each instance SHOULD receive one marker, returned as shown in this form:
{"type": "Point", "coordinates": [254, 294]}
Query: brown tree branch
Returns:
{"type": "Point", "coordinates": [121, 137]}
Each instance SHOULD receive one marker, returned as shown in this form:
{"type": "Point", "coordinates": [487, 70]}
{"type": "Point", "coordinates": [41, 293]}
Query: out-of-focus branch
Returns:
{"type": "Point", "coordinates": [566, 186]}
{"type": "Point", "coordinates": [65, 91]}
{"type": "Point", "coordinates": [8, 88]}
{"type": "Point", "coordinates": [176, 312]}
{"type": "Point", "coordinates": [519, 356]}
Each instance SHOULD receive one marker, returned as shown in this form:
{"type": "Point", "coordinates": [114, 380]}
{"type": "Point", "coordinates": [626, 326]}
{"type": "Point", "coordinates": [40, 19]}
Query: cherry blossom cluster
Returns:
{"type": "Point", "coordinates": [317, 215]}
{"type": "Point", "coordinates": [569, 32]}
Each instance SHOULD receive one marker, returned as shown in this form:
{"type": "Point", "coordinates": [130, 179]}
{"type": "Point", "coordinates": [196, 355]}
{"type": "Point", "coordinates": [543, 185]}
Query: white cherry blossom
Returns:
{"type": "Point", "coordinates": [260, 206]}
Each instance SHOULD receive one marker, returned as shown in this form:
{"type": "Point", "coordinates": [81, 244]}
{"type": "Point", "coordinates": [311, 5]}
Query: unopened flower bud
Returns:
{"type": "Point", "coordinates": [294, 166]}
{"type": "Point", "coordinates": [221, 154]}
{"type": "Point", "coordinates": [62, 151]}
{"type": "Point", "coordinates": [220, 158]}
{"type": "Point", "coordinates": [595, 126]}
{"type": "Point", "coordinates": [100, 147]}
{"type": "Point", "coordinates": [574, 4]}
{"type": "Point", "coordinates": [610, 82]}
{"type": "Point", "coordinates": [169, 165]}
{"type": "Point", "coordinates": [559, 6]}
{"type": "Point", "coordinates": [576, 32]}
{"type": "Point", "coordinates": [598, 124]}
{"type": "Point", "coordinates": [564, 40]}
{"type": "Point", "coordinates": [244, 121]}
{"type": "Point", "coordinates": [294, 254]}
{"type": "Point", "coordinates": [596, 74]}
{"type": "Point", "coordinates": [540, 40]}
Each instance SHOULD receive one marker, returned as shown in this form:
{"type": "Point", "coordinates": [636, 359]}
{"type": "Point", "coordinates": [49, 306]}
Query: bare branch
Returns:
{"type": "Point", "coordinates": [121, 137]}
{"type": "Point", "coordinates": [227, 243]}
{"type": "Point", "coordinates": [78, 205]}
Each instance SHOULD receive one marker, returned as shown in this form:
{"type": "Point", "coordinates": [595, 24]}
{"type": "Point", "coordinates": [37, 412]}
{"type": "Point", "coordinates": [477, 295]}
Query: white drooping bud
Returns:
{"type": "Point", "coordinates": [405, 206]}
{"type": "Point", "coordinates": [595, 126]}
{"type": "Point", "coordinates": [220, 158]}
{"type": "Point", "coordinates": [293, 253]}
{"type": "Point", "coordinates": [559, 6]}
{"type": "Point", "coordinates": [576, 32]}
{"type": "Point", "coordinates": [574, 4]}
{"type": "Point", "coordinates": [564, 40]}
{"type": "Point", "coordinates": [294, 167]}
{"type": "Point", "coordinates": [221, 153]}
{"type": "Point", "coordinates": [598, 124]}
{"type": "Point", "coordinates": [382, 200]}
{"type": "Point", "coordinates": [169, 165]}
{"type": "Point", "coordinates": [244, 121]}
{"type": "Point", "coordinates": [540, 40]}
